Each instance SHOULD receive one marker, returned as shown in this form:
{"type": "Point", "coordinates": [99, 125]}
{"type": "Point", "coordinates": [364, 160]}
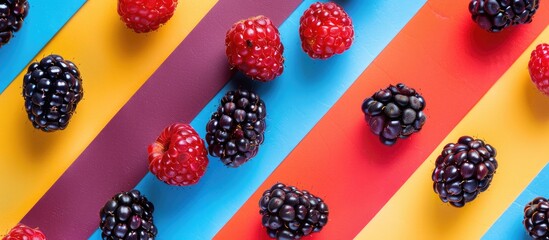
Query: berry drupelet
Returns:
{"type": "Point", "coordinates": [463, 170]}
{"type": "Point", "coordinates": [535, 218]}
{"type": "Point", "coordinates": [12, 15]}
{"type": "Point", "coordinates": [325, 30]}
{"type": "Point", "coordinates": [394, 112]}
{"type": "Point", "coordinates": [129, 216]}
{"type": "Point", "coordinates": [236, 129]}
{"type": "Point", "coordinates": [289, 213]}
{"type": "Point", "coordinates": [178, 156]}
{"type": "Point", "coordinates": [146, 15]}
{"type": "Point", "coordinates": [495, 15]}
{"type": "Point", "coordinates": [253, 46]}
{"type": "Point", "coordinates": [21, 231]}
{"type": "Point", "coordinates": [539, 67]}
{"type": "Point", "coordinates": [52, 88]}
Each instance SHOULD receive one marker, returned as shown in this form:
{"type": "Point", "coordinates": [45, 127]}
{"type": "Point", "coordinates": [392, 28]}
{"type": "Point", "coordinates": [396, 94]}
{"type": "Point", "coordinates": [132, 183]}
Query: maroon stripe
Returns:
{"type": "Point", "coordinates": [177, 91]}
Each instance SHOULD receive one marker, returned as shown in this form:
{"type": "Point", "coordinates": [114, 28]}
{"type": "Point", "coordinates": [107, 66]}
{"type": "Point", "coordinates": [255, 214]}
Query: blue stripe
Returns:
{"type": "Point", "coordinates": [295, 102]}
{"type": "Point", "coordinates": [45, 19]}
{"type": "Point", "coordinates": [509, 225]}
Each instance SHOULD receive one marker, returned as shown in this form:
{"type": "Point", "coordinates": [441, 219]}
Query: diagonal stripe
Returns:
{"type": "Point", "coordinates": [183, 84]}
{"type": "Point", "coordinates": [113, 65]}
{"type": "Point", "coordinates": [509, 224]}
{"type": "Point", "coordinates": [44, 20]}
{"type": "Point", "coordinates": [441, 53]}
{"type": "Point", "coordinates": [512, 117]}
{"type": "Point", "coordinates": [295, 102]}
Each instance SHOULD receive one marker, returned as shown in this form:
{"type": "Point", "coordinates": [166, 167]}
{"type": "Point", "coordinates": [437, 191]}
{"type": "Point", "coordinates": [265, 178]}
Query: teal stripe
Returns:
{"type": "Point", "coordinates": [295, 102]}
{"type": "Point", "coordinates": [509, 224]}
{"type": "Point", "coordinates": [45, 19]}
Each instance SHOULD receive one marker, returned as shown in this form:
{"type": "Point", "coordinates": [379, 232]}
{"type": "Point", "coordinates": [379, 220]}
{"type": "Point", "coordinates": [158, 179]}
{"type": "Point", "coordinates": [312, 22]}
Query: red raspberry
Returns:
{"type": "Point", "coordinates": [254, 47]}
{"type": "Point", "coordinates": [325, 29]}
{"type": "Point", "coordinates": [539, 67]}
{"type": "Point", "coordinates": [22, 231]}
{"type": "Point", "coordinates": [145, 15]}
{"type": "Point", "coordinates": [178, 157]}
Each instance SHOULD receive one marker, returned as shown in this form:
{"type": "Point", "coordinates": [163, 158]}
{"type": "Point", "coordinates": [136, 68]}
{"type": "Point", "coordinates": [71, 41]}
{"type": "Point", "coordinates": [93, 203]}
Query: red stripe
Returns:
{"type": "Point", "coordinates": [442, 54]}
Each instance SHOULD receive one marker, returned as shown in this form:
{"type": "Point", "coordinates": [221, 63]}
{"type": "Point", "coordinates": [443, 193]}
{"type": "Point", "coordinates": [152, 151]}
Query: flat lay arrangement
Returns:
{"type": "Point", "coordinates": [239, 119]}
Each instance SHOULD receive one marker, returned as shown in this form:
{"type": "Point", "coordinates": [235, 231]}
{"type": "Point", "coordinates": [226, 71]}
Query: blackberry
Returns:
{"type": "Point", "coordinates": [394, 112]}
{"type": "Point", "coordinates": [236, 129]}
{"type": "Point", "coordinates": [535, 218]}
{"type": "Point", "coordinates": [128, 215]}
{"type": "Point", "coordinates": [463, 170]}
{"type": "Point", "coordinates": [12, 14]}
{"type": "Point", "coordinates": [289, 213]}
{"type": "Point", "coordinates": [52, 88]}
{"type": "Point", "coordinates": [495, 15]}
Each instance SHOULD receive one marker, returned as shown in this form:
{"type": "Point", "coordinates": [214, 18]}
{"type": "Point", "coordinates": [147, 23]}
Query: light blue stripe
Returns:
{"type": "Point", "coordinates": [295, 102]}
{"type": "Point", "coordinates": [45, 19]}
{"type": "Point", "coordinates": [509, 225]}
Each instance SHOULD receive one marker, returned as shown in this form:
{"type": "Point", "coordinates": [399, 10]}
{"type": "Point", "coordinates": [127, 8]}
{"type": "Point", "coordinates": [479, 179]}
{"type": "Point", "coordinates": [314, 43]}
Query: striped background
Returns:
{"type": "Point", "coordinates": [475, 83]}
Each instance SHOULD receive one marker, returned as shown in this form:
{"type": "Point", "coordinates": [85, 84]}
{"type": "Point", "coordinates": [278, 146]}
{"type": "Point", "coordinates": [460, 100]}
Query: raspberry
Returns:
{"type": "Point", "coordinates": [52, 89]}
{"type": "Point", "coordinates": [464, 170]}
{"type": "Point", "coordinates": [178, 157]}
{"type": "Point", "coordinates": [539, 67]}
{"type": "Point", "coordinates": [236, 129]}
{"type": "Point", "coordinates": [325, 29]}
{"type": "Point", "coordinates": [145, 15]}
{"type": "Point", "coordinates": [495, 15]}
{"type": "Point", "coordinates": [395, 112]}
{"type": "Point", "coordinates": [127, 215]}
{"type": "Point", "coordinates": [12, 14]}
{"type": "Point", "coordinates": [289, 213]}
{"type": "Point", "coordinates": [535, 218]}
{"type": "Point", "coordinates": [253, 46]}
{"type": "Point", "coordinates": [21, 231]}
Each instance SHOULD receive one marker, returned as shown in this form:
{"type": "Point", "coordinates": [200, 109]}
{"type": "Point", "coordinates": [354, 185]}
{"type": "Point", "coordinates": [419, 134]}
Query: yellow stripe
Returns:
{"type": "Point", "coordinates": [114, 63]}
{"type": "Point", "coordinates": [514, 118]}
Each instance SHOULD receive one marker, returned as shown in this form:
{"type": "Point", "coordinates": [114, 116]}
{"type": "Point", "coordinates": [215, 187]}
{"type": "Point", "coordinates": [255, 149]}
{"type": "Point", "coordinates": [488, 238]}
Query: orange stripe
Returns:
{"type": "Point", "coordinates": [512, 117]}
{"type": "Point", "coordinates": [441, 53]}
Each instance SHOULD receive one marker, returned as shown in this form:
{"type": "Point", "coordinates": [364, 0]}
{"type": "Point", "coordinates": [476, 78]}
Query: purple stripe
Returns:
{"type": "Point", "coordinates": [176, 92]}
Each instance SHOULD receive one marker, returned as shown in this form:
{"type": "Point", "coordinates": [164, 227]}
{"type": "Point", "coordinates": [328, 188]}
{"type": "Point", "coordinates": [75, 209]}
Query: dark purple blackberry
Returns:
{"type": "Point", "coordinates": [395, 112]}
{"type": "Point", "coordinates": [129, 216]}
{"type": "Point", "coordinates": [463, 170]}
{"type": "Point", "coordinates": [289, 213]}
{"type": "Point", "coordinates": [12, 14]}
{"type": "Point", "coordinates": [495, 15]}
{"type": "Point", "coordinates": [236, 129]}
{"type": "Point", "coordinates": [52, 88]}
{"type": "Point", "coordinates": [535, 218]}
